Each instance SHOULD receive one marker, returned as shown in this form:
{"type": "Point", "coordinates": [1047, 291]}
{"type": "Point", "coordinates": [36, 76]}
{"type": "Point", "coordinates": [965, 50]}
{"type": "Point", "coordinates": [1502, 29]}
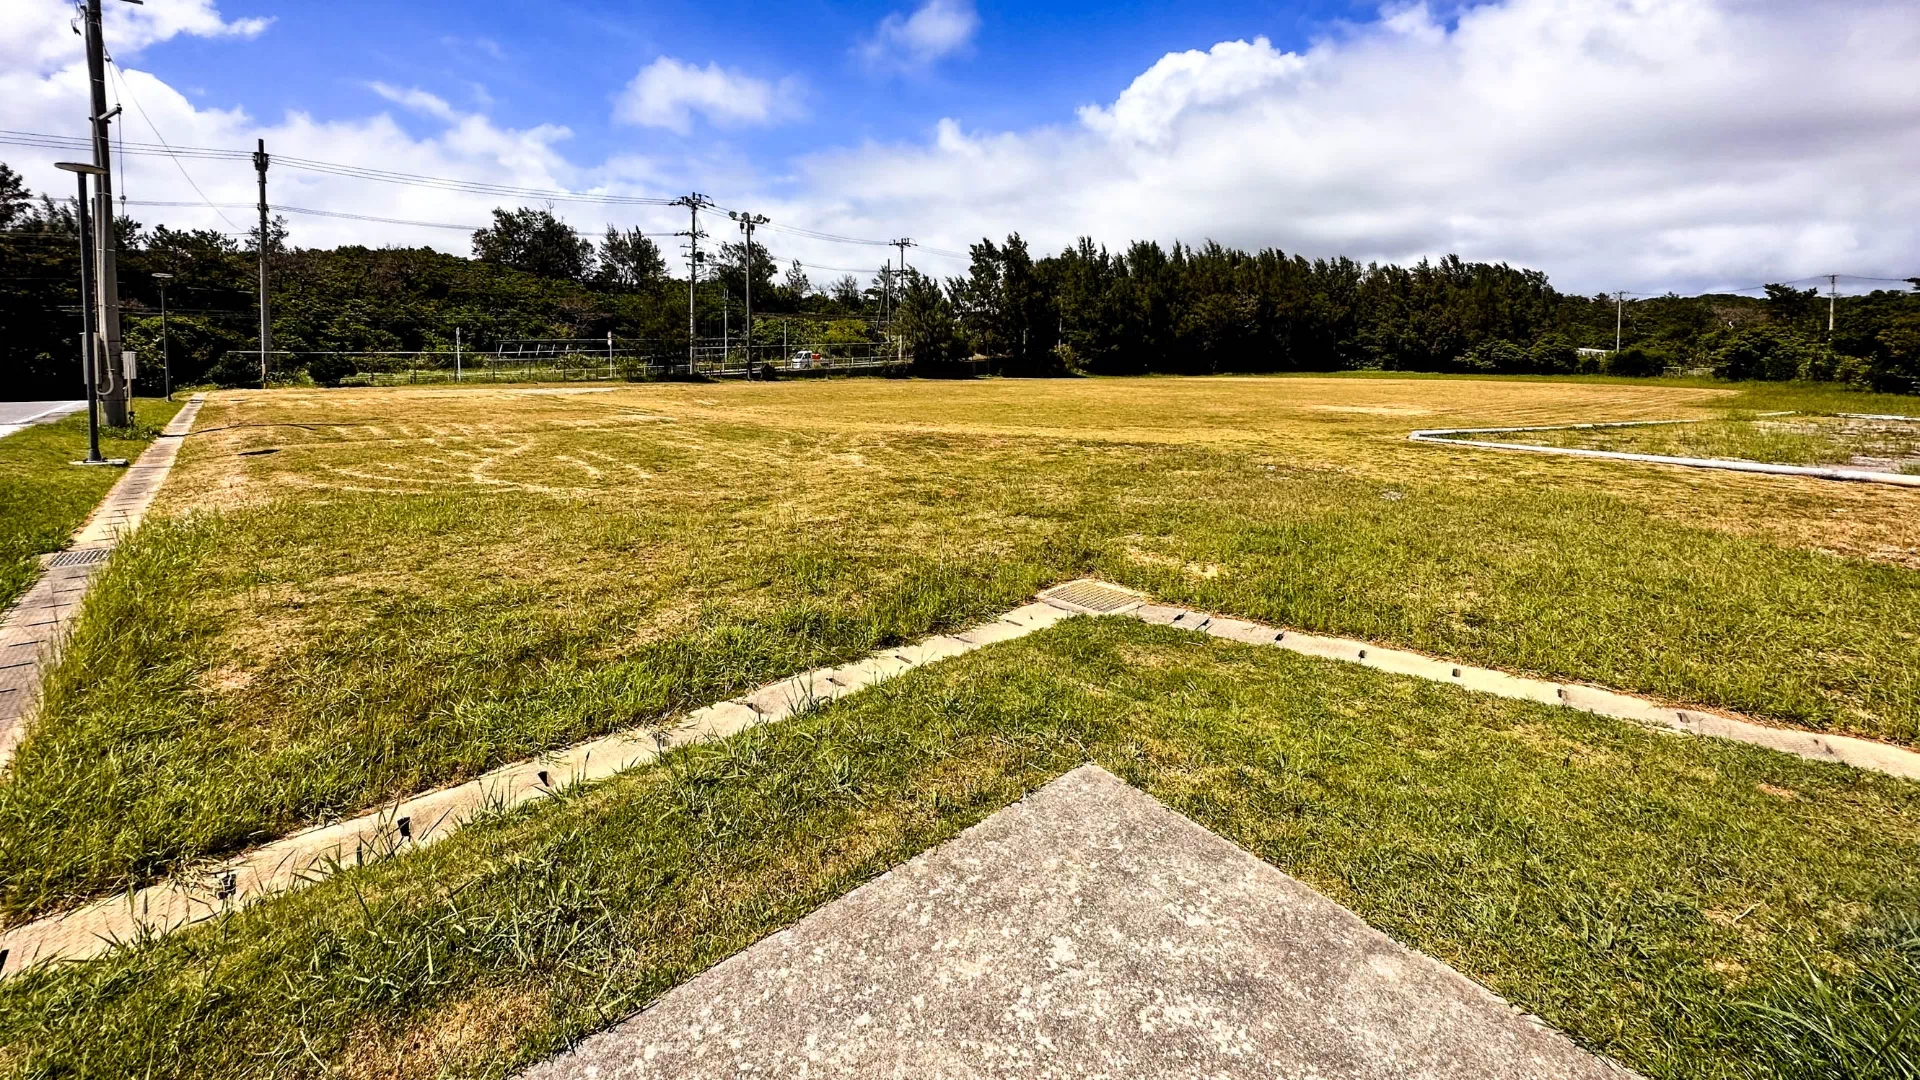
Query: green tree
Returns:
{"type": "Point", "coordinates": [629, 260]}
{"type": "Point", "coordinates": [846, 292]}
{"type": "Point", "coordinates": [534, 241]}
{"type": "Point", "coordinates": [797, 284]}
{"type": "Point", "coordinates": [730, 267]}
{"type": "Point", "coordinates": [16, 202]}
{"type": "Point", "coordinates": [925, 324]}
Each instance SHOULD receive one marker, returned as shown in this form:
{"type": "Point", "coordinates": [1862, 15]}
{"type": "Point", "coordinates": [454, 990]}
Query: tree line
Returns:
{"type": "Point", "coordinates": [1087, 310]}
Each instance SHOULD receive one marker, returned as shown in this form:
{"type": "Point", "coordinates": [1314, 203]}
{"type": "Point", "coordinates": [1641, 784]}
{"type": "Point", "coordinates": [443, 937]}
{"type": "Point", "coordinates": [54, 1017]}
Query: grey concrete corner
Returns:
{"type": "Point", "coordinates": [1085, 932]}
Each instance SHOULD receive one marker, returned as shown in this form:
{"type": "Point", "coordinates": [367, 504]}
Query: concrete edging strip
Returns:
{"type": "Point", "coordinates": [307, 856]}
{"type": "Point", "coordinates": [31, 630]}
{"type": "Point", "coordinates": [1446, 437]}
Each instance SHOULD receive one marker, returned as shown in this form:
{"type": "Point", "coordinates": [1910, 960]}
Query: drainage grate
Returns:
{"type": "Point", "coordinates": [82, 557]}
{"type": "Point", "coordinates": [1091, 597]}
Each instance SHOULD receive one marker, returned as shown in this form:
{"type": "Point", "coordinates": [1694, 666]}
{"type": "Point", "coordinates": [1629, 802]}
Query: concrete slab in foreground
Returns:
{"type": "Point", "coordinates": [1085, 932]}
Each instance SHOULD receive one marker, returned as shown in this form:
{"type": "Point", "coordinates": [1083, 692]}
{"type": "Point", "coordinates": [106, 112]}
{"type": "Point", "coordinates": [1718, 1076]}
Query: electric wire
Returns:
{"type": "Point", "coordinates": [151, 126]}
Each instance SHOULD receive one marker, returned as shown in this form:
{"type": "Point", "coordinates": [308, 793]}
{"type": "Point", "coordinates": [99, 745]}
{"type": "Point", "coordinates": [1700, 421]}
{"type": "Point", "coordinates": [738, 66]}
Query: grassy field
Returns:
{"type": "Point", "coordinates": [361, 594]}
{"type": "Point", "coordinates": [1692, 908]}
{"type": "Point", "coordinates": [1882, 445]}
{"type": "Point", "coordinates": [43, 498]}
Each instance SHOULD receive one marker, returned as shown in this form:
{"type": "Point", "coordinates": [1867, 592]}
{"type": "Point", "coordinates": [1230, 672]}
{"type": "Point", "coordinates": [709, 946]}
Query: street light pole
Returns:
{"type": "Point", "coordinates": [260, 163]}
{"type": "Point", "coordinates": [88, 345]}
{"type": "Point", "coordinates": [166, 359]}
{"type": "Point", "coordinates": [747, 224]}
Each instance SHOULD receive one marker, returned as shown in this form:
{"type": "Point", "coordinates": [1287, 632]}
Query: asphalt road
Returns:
{"type": "Point", "coordinates": [15, 415]}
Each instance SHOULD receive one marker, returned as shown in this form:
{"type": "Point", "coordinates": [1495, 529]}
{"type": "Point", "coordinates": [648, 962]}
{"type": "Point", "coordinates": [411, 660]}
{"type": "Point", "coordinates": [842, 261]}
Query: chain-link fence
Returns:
{"type": "Point", "coordinates": [572, 360]}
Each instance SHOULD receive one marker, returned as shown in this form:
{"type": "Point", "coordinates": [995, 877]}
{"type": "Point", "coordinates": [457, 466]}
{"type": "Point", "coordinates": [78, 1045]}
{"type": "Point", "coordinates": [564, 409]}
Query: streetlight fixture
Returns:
{"type": "Point", "coordinates": [748, 222]}
{"type": "Point", "coordinates": [81, 171]}
{"type": "Point", "coordinates": [166, 360]}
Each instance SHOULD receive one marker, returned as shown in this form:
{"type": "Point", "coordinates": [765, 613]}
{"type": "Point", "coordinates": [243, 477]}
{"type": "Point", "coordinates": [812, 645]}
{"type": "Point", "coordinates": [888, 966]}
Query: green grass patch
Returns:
{"type": "Point", "coordinates": [1799, 439]}
{"type": "Point", "coordinates": [1692, 908]}
{"type": "Point", "coordinates": [44, 497]}
{"type": "Point", "coordinates": [246, 671]}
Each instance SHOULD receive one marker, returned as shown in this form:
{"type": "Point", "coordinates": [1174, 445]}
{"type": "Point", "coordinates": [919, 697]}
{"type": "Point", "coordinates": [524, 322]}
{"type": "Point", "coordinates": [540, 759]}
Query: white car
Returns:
{"type": "Point", "coordinates": [804, 359]}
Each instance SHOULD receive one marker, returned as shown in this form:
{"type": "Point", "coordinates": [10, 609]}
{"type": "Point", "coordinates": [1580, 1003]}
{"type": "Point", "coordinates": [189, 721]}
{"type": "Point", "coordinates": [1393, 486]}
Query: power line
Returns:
{"type": "Point", "coordinates": [334, 168]}
{"type": "Point", "coordinates": [165, 149]}
{"type": "Point", "coordinates": [151, 126]}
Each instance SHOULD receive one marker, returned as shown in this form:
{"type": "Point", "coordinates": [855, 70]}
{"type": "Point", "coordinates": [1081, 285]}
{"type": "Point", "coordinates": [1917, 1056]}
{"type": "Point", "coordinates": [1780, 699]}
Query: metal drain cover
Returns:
{"type": "Point", "coordinates": [1092, 597]}
{"type": "Point", "coordinates": [82, 557]}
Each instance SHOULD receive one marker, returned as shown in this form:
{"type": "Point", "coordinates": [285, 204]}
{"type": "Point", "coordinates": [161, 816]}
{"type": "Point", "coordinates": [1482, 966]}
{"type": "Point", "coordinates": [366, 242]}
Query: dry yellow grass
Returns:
{"type": "Point", "coordinates": [366, 592]}
{"type": "Point", "coordinates": [577, 443]}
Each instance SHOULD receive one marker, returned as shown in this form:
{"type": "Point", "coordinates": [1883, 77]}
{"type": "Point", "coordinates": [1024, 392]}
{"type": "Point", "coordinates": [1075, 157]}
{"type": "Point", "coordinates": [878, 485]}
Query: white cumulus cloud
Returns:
{"type": "Point", "coordinates": [668, 92]}
{"type": "Point", "coordinates": [34, 33]}
{"type": "Point", "coordinates": [1612, 143]}
{"type": "Point", "coordinates": [1184, 83]}
{"type": "Point", "coordinates": [43, 88]}
{"type": "Point", "coordinates": [913, 40]}
{"type": "Point", "coordinates": [1635, 144]}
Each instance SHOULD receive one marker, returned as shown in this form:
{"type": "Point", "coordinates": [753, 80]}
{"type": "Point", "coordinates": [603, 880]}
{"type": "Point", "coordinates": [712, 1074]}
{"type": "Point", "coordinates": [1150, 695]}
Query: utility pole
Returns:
{"type": "Point", "coordinates": [747, 224]}
{"type": "Point", "coordinates": [166, 357]}
{"type": "Point", "coordinates": [693, 202]}
{"type": "Point", "coordinates": [88, 335]}
{"type": "Point", "coordinates": [1833, 290]}
{"type": "Point", "coordinates": [106, 275]}
{"type": "Point", "coordinates": [456, 354]}
{"type": "Point", "coordinates": [900, 343]}
{"type": "Point", "coordinates": [609, 356]}
{"type": "Point", "coordinates": [1619, 311]}
{"type": "Point", "coordinates": [260, 162]}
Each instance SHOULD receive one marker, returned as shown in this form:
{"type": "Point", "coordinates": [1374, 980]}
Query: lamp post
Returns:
{"type": "Point", "coordinates": [748, 222]}
{"type": "Point", "coordinates": [166, 359]}
{"type": "Point", "coordinates": [80, 173]}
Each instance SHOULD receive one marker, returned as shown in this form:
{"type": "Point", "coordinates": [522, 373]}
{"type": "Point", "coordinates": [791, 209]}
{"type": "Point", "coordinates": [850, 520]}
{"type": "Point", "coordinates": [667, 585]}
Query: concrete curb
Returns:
{"type": "Point", "coordinates": [31, 630]}
{"type": "Point", "coordinates": [423, 819]}
{"type": "Point", "coordinates": [417, 821]}
{"type": "Point", "coordinates": [1445, 437]}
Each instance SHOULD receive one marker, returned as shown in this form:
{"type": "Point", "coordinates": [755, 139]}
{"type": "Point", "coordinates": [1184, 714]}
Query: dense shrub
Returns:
{"type": "Point", "coordinates": [1638, 360]}
{"type": "Point", "coordinates": [1768, 352]}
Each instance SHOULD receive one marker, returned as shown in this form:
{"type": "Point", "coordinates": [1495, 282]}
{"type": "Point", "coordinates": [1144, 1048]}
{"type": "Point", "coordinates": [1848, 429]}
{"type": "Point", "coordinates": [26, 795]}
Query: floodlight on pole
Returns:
{"type": "Point", "coordinates": [80, 172]}
{"type": "Point", "coordinates": [748, 222]}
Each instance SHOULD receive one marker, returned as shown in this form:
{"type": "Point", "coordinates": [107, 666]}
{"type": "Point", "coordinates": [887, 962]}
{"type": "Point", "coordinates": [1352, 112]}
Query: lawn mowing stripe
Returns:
{"type": "Point", "coordinates": [53, 599]}
{"type": "Point", "coordinates": [1444, 437]}
{"type": "Point", "coordinates": [307, 856]}
{"type": "Point", "coordinates": [423, 819]}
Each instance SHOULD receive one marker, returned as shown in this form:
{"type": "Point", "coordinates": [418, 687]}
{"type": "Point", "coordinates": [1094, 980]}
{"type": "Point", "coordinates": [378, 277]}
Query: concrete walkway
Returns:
{"type": "Point", "coordinates": [15, 415]}
{"type": "Point", "coordinates": [1466, 437]}
{"type": "Point", "coordinates": [30, 631]}
{"type": "Point", "coordinates": [1085, 932]}
{"type": "Point", "coordinates": [305, 857]}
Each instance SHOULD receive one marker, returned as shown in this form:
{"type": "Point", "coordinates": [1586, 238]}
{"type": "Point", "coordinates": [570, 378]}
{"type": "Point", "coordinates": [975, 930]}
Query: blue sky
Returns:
{"type": "Point", "coordinates": [1642, 145]}
{"type": "Point", "coordinates": [566, 61]}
